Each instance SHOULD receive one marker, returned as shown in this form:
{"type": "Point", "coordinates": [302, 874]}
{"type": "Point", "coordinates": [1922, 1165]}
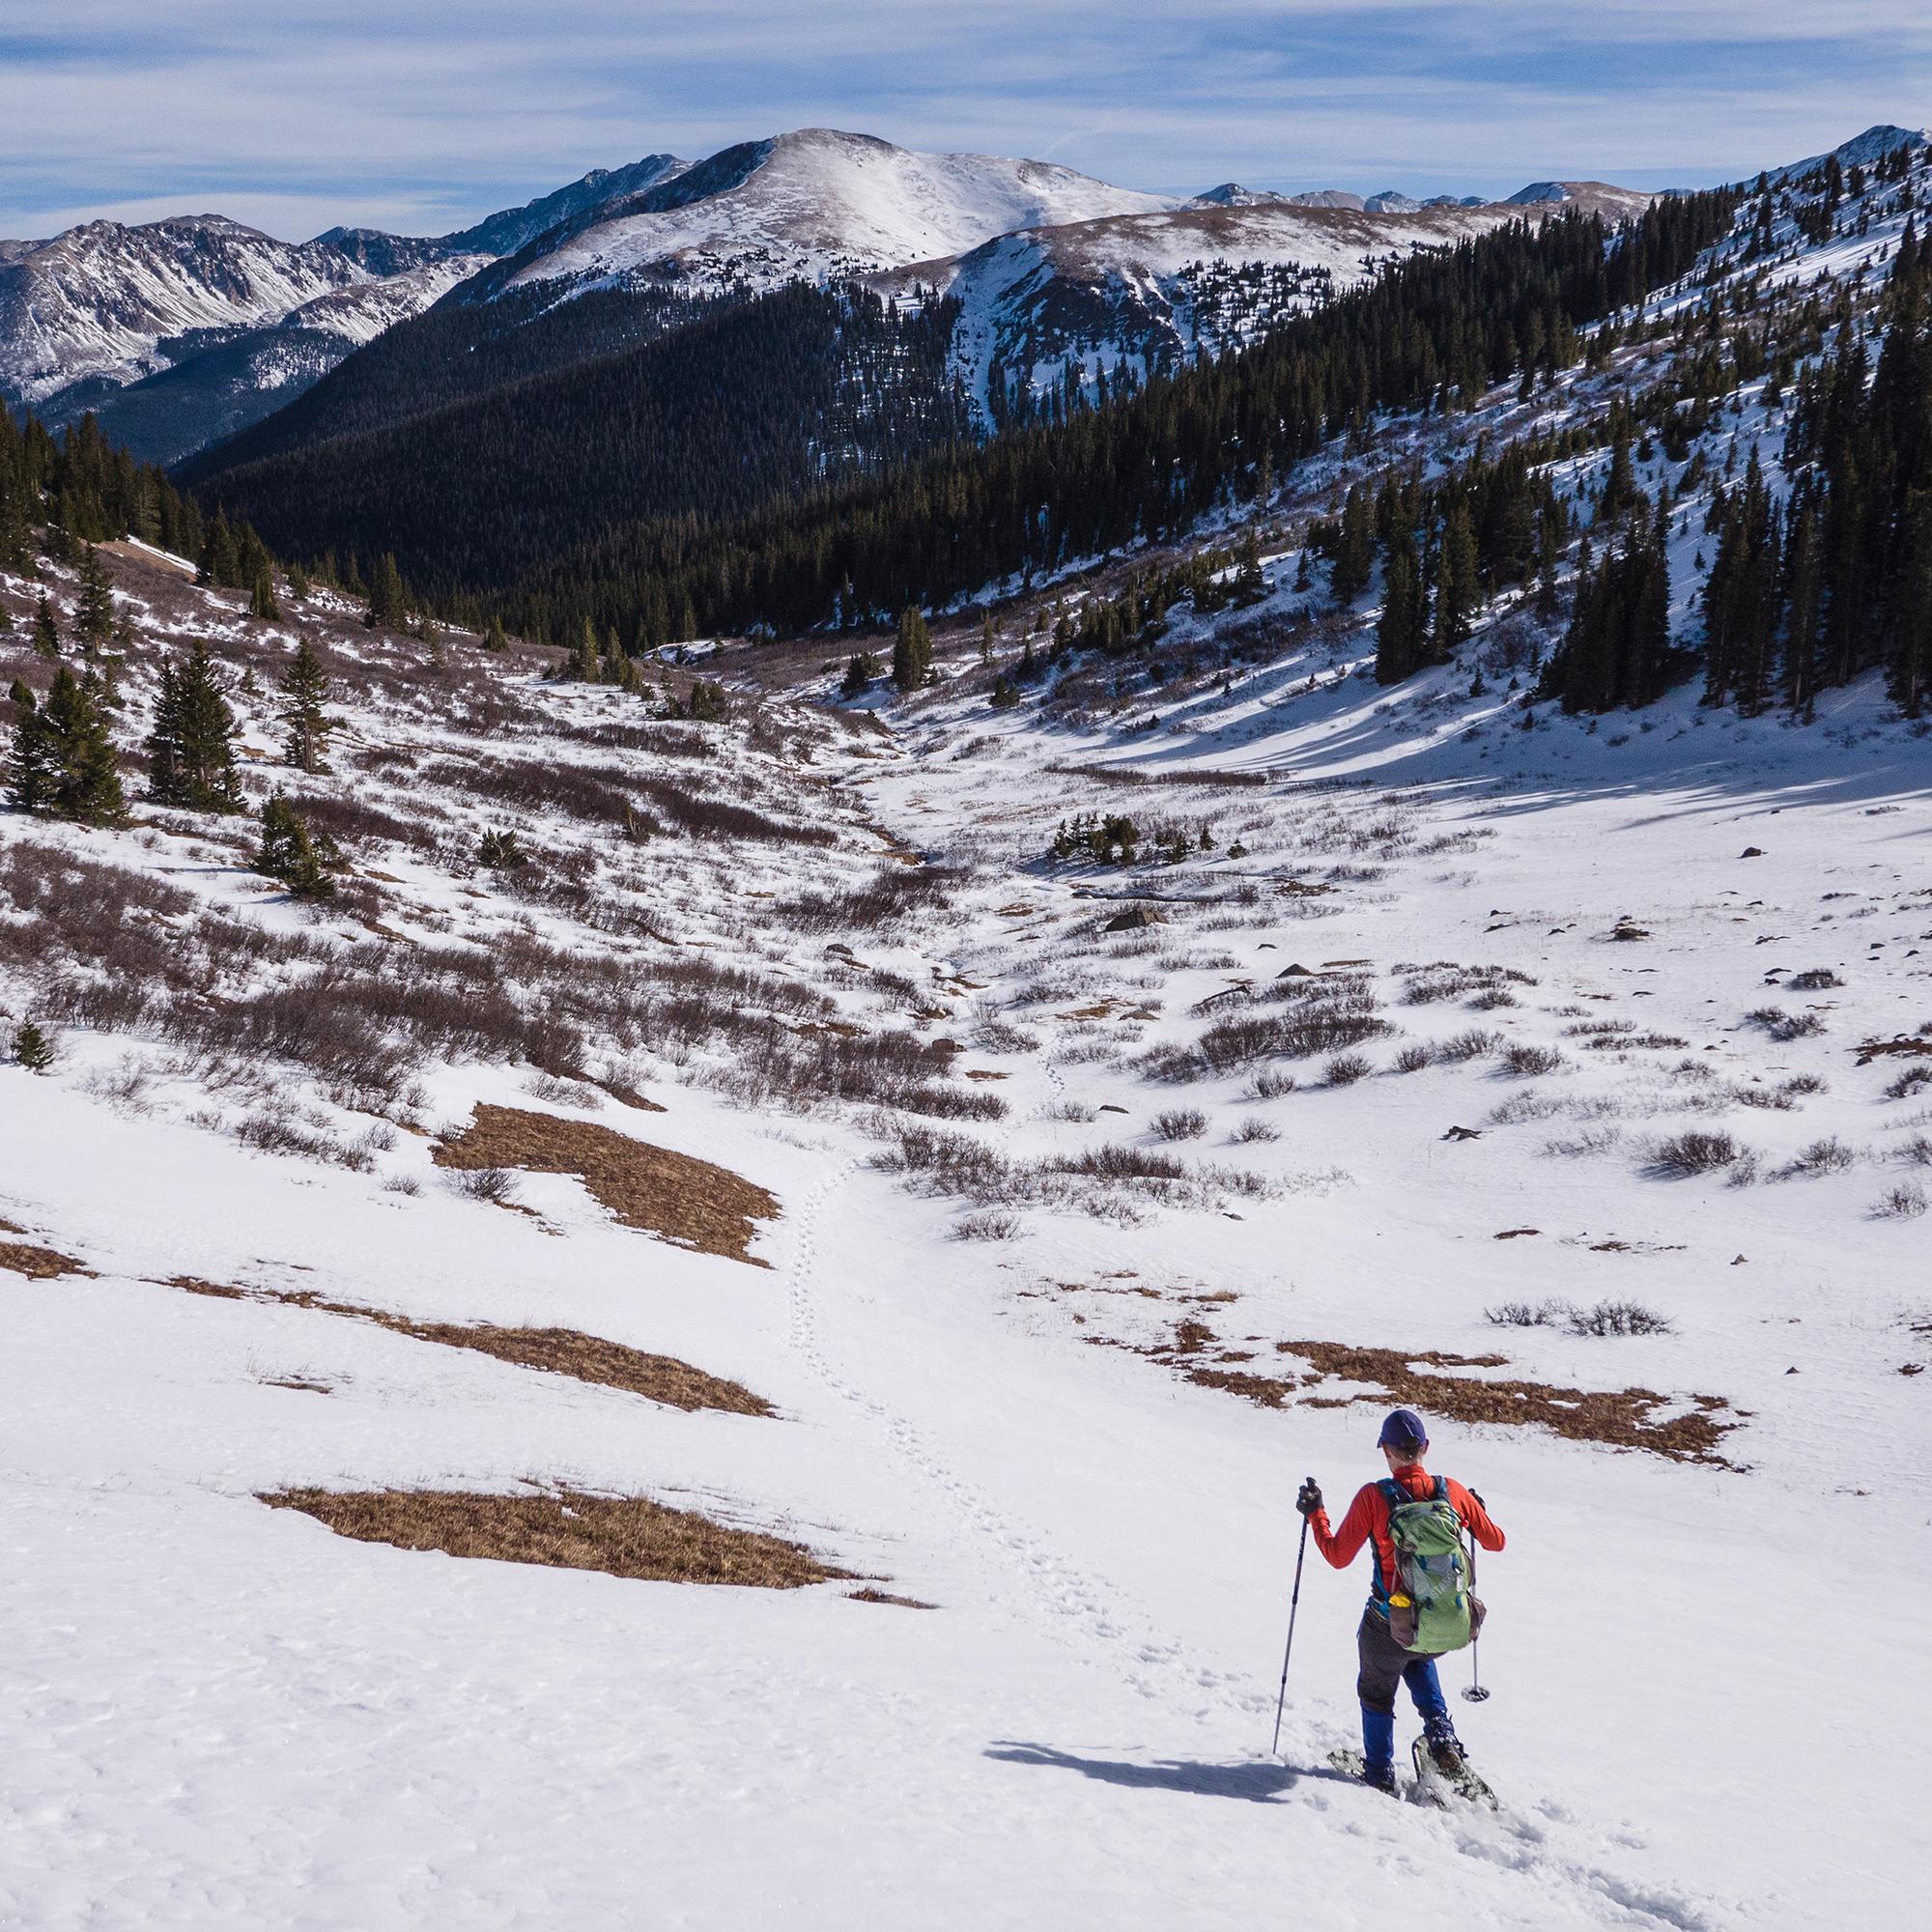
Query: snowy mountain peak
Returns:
{"type": "Point", "coordinates": [1875, 144]}
{"type": "Point", "coordinates": [819, 201]}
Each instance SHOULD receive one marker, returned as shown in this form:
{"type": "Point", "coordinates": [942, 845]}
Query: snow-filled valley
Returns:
{"type": "Point", "coordinates": [1077, 1435]}
{"type": "Point", "coordinates": [875, 1203]}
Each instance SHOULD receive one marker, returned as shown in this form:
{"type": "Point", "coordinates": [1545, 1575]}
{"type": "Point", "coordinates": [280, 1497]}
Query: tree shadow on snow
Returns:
{"type": "Point", "coordinates": [1258, 1782]}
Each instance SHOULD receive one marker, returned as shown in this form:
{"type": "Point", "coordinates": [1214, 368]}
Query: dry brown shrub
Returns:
{"type": "Point", "coordinates": [567, 1529]}
{"type": "Point", "coordinates": [691, 1202]}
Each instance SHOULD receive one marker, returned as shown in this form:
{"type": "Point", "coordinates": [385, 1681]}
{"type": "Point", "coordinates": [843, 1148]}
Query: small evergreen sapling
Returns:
{"type": "Point", "coordinates": [30, 760]}
{"type": "Point", "coordinates": [32, 1048]}
{"type": "Point", "coordinates": [502, 852]}
{"type": "Point", "coordinates": [191, 749]}
{"type": "Point", "coordinates": [304, 862]}
{"type": "Point", "coordinates": [305, 689]}
{"type": "Point", "coordinates": [84, 778]}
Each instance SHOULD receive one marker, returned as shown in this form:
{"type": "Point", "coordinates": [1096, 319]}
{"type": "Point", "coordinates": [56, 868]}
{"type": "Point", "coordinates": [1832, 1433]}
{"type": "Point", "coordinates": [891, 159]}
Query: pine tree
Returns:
{"type": "Point", "coordinates": [30, 762]}
{"type": "Point", "coordinates": [304, 862]}
{"type": "Point", "coordinates": [1354, 549]}
{"type": "Point", "coordinates": [1741, 599]}
{"type": "Point", "coordinates": [494, 638]}
{"type": "Point", "coordinates": [1803, 605]}
{"type": "Point", "coordinates": [85, 774]}
{"type": "Point", "coordinates": [588, 666]}
{"type": "Point", "coordinates": [299, 583]}
{"type": "Point", "coordinates": [47, 630]}
{"type": "Point", "coordinates": [986, 637]}
{"type": "Point", "coordinates": [388, 601]}
{"type": "Point", "coordinates": [305, 689]}
{"type": "Point", "coordinates": [862, 672]}
{"type": "Point", "coordinates": [1908, 670]}
{"type": "Point", "coordinates": [32, 1048]}
{"type": "Point", "coordinates": [1456, 589]}
{"type": "Point", "coordinates": [191, 749]}
{"type": "Point", "coordinates": [912, 652]}
{"type": "Point", "coordinates": [94, 609]}
{"type": "Point", "coordinates": [1401, 632]}
{"type": "Point", "coordinates": [262, 605]}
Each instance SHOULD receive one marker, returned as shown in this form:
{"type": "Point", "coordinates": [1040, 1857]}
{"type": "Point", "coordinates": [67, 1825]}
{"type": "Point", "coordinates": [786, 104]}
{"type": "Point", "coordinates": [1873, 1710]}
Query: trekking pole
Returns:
{"type": "Point", "coordinates": [1293, 1604]}
{"type": "Point", "coordinates": [1475, 1693]}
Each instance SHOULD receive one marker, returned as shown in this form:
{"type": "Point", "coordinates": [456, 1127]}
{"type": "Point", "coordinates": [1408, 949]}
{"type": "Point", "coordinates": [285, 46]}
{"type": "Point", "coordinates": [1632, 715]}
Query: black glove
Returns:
{"type": "Point", "coordinates": [1309, 1497]}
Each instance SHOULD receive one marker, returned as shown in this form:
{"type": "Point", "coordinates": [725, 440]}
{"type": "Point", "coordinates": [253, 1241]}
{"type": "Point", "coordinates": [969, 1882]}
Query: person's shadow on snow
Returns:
{"type": "Point", "coordinates": [1259, 1783]}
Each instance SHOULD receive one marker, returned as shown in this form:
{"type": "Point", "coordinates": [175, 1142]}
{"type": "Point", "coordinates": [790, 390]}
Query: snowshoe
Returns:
{"type": "Point", "coordinates": [1443, 1775]}
{"type": "Point", "coordinates": [1355, 1766]}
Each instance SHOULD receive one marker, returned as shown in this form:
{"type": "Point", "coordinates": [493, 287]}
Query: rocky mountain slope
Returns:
{"type": "Point", "coordinates": [232, 322]}
{"type": "Point", "coordinates": [1146, 291]}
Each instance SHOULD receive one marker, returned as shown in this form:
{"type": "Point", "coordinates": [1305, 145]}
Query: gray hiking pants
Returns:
{"type": "Point", "coordinates": [1384, 1665]}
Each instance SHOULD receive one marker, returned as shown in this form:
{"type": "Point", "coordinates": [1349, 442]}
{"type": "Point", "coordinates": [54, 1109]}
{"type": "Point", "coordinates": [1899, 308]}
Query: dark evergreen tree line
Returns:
{"type": "Point", "coordinates": [1440, 326]}
{"type": "Point", "coordinates": [785, 397]}
{"type": "Point", "coordinates": [1838, 579]}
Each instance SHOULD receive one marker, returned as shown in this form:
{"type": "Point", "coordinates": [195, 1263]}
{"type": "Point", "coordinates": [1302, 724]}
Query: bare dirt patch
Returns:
{"type": "Point", "coordinates": [675, 1196]}
{"type": "Point", "coordinates": [565, 1529]}
{"type": "Point", "coordinates": [869, 1594]}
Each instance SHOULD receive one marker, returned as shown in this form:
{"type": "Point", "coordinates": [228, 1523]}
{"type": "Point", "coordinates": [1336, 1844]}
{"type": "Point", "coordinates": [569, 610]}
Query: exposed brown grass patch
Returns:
{"type": "Point", "coordinates": [590, 1358]}
{"type": "Point", "coordinates": [1625, 1418]}
{"type": "Point", "coordinates": [566, 1529]}
{"type": "Point", "coordinates": [190, 1284]}
{"type": "Point", "coordinates": [869, 1594]}
{"type": "Point", "coordinates": [560, 1351]}
{"type": "Point", "coordinates": [694, 1202]}
{"type": "Point", "coordinates": [1621, 1417]}
{"type": "Point", "coordinates": [37, 1264]}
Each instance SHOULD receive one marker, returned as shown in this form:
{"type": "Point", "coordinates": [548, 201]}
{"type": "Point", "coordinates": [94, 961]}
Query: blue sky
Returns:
{"type": "Point", "coordinates": [420, 115]}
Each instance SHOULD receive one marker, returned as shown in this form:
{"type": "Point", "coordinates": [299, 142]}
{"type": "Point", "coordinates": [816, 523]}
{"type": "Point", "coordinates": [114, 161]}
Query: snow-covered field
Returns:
{"type": "Point", "coordinates": [223, 1715]}
{"type": "Point", "coordinates": [1568, 1080]}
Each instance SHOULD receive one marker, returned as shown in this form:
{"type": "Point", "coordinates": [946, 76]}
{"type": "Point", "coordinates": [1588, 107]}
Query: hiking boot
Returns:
{"type": "Point", "coordinates": [1444, 1746]}
{"type": "Point", "coordinates": [1379, 1777]}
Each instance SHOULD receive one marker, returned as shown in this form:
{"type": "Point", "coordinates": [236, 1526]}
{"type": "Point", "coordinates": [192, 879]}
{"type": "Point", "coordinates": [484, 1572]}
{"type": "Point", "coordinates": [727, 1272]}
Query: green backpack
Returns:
{"type": "Point", "coordinates": [1431, 1571]}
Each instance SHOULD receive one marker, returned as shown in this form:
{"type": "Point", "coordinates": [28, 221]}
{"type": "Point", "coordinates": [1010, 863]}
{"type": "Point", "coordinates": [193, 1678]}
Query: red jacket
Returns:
{"type": "Point", "coordinates": [1368, 1522]}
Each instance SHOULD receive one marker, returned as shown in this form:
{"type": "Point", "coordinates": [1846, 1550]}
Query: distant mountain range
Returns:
{"type": "Point", "coordinates": [181, 332]}
{"type": "Point", "coordinates": [196, 337]}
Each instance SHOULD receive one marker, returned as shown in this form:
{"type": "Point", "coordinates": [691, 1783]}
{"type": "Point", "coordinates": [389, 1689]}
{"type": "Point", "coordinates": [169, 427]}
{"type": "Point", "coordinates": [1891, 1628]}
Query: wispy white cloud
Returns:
{"type": "Point", "coordinates": [421, 114]}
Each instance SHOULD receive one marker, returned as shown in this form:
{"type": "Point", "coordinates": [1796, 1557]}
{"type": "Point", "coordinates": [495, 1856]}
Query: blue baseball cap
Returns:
{"type": "Point", "coordinates": [1404, 1429]}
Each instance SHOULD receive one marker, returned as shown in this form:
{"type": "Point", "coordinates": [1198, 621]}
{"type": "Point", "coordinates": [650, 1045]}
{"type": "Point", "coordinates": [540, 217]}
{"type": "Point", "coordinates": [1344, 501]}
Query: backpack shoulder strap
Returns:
{"type": "Point", "coordinates": [1393, 1493]}
{"type": "Point", "coordinates": [1441, 1489]}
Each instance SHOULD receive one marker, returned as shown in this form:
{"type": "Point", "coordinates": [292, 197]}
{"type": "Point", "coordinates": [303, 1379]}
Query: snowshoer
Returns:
{"type": "Point", "coordinates": [1419, 1602]}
